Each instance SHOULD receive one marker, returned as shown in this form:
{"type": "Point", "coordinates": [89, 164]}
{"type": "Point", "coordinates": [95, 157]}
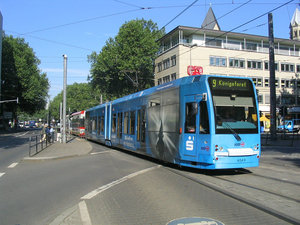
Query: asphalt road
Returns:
{"type": "Point", "coordinates": [37, 192]}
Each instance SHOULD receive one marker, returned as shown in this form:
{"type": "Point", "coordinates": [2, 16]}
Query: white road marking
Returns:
{"type": "Point", "coordinates": [84, 213]}
{"type": "Point", "coordinates": [1, 174]}
{"type": "Point", "coordinates": [96, 153]}
{"type": "Point", "coordinates": [12, 165]}
{"type": "Point", "coordinates": [22, 134]}
{"type": "Point", "coordinates": [107, 186]}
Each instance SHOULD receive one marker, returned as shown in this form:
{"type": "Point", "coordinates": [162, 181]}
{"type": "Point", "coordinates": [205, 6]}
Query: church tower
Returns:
{"type": "Point", "coordinates": [210, 22]}
{"type": "Point", "coordinates": [295, 26]}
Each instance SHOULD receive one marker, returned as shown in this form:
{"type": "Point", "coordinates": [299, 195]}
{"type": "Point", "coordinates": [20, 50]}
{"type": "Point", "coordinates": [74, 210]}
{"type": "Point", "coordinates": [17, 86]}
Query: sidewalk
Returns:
{"type": "Point", "coordinates": [74, 147]}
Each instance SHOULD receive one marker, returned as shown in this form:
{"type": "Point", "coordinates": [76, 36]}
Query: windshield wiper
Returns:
{"type": "Point", "coordinates": [235, 134]}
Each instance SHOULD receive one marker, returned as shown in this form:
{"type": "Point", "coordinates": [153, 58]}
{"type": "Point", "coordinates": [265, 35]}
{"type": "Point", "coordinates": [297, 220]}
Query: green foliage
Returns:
{"type": "Point", "coordinates": [133, 49]}
{"type": "Point", "coordinates": [79, 97]}
{"type": "Point", "coordinates": [21, 77]}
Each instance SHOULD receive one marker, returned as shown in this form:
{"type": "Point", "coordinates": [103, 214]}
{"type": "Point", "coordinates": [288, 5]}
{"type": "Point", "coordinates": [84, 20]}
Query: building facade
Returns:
{"type": "Point", "coordinates": [188, 50]}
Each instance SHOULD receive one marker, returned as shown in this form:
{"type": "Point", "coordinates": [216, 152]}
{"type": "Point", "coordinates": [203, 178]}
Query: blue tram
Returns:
{"type": "Point", "coordinates": [205, 122]}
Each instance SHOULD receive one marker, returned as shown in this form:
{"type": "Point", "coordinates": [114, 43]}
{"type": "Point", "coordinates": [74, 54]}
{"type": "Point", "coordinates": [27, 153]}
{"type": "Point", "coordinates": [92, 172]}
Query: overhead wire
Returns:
{"type": "Point", "coordinates": [139, 8]}
{"type": "Point", "coordinates": [82, 21]}
{"type": "Point", "coordinates": [179, 14]}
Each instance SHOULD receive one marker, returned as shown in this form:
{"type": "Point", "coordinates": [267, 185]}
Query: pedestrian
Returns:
{"type": "Point", "coordinates": [43, 133]}
{"type": "Point", "coordinates": [51, 134]}
{"type": "Point", "coordinates": [48, 133]}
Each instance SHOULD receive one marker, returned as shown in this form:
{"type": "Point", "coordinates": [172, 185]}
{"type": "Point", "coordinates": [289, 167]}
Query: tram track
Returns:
{"type": "Point", "coordinates": [263, 190]}
{"type": "Point", "coordinates": [271, 178]}
{"type": "Point", "coordinates": [247, 194]}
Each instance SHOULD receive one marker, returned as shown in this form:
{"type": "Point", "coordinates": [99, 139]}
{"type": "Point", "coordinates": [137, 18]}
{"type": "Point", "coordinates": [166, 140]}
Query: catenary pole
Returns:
{"type": "Point", "coordinates": [272, 79]}
{"type": "Point", "coordinates": [65, 100]}
{"type": "Point", "coordinates": [60, 121]}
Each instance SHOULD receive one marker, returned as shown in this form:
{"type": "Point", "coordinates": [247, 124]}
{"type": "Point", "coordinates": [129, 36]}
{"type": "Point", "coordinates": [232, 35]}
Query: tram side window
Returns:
{"type": "Point", "coordinates": [190, 117]}
{"type": "Point", "coordinates": [138, 125]}
{"type": "Point", "coordinates": [98, 126]}
{"type": "Point", "coordinates": [144, 125]}
{"type": "Point", "coordinates": [154, 102]}
{"type": "Point", "coordinates": [126, 118]}
{"type": "Point", "coordinates": [114, 122]}
{"type": "Point", "coordinates": [132, 123]}
{"type": "Point", "coordinates": [204, 119]}
{"type": "Point", "coordinates": [120, 117]}
{"type": "Point", "coordinates": [102, 123]}
{"type": "Point", "coordinates": [94, 123]}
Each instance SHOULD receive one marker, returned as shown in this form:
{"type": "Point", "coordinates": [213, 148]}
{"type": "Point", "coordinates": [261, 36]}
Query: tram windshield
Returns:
{"type": "Point", "coordinates": [234, 106]}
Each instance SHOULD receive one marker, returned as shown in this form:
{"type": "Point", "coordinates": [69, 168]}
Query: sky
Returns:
{"type": "Point", "coordinates": [77, 28]}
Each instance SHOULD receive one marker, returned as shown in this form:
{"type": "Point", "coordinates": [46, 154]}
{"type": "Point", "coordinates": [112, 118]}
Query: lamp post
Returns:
{"type": "Point", "coordinates": [65, 99]}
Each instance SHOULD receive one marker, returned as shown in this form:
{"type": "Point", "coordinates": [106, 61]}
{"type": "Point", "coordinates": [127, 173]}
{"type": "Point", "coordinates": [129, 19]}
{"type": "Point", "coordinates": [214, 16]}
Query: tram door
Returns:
{"type": "Point", "coordinates": [141, 128]}
{"type": "Point", "coordinates": [190, 125]}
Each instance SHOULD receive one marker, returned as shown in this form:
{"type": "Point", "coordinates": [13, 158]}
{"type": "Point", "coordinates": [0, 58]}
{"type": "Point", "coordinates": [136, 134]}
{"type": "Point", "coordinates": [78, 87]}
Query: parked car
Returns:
{"type": "Point", "coordinates": [21, 124]}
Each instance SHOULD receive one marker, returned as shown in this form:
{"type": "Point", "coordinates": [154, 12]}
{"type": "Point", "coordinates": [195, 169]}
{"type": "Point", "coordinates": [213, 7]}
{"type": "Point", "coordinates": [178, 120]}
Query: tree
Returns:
{"type": "Point", "coordinates": [79, 97]}
{"type": "Point", "coordinates": [21, 77]}
{"type": "Point", "coordinates": [133, 49]}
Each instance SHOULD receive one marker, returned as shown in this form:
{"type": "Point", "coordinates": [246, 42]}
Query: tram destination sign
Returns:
{"type": "Point", "coordinates": [229, 84]}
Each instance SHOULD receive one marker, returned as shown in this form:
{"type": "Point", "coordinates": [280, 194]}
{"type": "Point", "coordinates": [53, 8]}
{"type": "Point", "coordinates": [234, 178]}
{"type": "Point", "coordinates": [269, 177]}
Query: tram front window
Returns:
{"type": "Point", "coordinates": [237, 114]}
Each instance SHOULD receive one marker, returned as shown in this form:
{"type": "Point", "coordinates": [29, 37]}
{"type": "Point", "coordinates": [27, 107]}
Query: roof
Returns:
{"type": "Point", "coordinates": [223, 34]}
{"type": "Point", "coordinates": [210, 22]}
{"type": "Point", "coordinates": [296, 18]}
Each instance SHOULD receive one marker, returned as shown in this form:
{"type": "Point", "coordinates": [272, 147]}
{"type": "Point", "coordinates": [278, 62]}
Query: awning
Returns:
{"type": "Point", "coordinates": [263, 118]}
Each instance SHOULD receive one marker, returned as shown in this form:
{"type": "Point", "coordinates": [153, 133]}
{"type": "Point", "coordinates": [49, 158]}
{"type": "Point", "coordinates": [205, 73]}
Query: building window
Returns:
{"type": "Point", "coordinates": [285, 83]}
{"type": "Point", "coordinates": [217, 61]}
{"type": "Point", "coordinates": [234, 45]}
{"type": "Point", "coordinates": [166, 79]}
{"type": "Point", "coordinates": [159, 67]}
{"type": "Point", "coordinates": [257, 81]}
{"type": "Point", "coordinates": [276, 82]}
{"type": "Point", "coordinates": [287, 67]}
{"type": "Point", "coordinates": [237, 63]}
{"type": "Point", "coordinates": [267, 65]}
{"type": "Point", "coordinates": [173, 60]}
{"type": "Point", "coordinates": [254, 64]}
{"type": "Point", "coordinates": [298, 68]}
{"type": "Point", "coordinates": [166, 64]}
{"type": "Point", "coordinates": [173, 76]}
{"type": "Point", "coordinates": [251, 47]}
{"type": "Point", "coordinates": [159, 81]}
{"type": "Point", "coordinates": [267, 82]}
{"type": "Point", "coordinates": [213, 42]}
{"type": "Point", "coordinates": [260, 99]}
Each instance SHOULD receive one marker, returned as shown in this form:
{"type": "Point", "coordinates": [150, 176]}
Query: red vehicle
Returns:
{"type": "Point", "coordinates": [77, 123]}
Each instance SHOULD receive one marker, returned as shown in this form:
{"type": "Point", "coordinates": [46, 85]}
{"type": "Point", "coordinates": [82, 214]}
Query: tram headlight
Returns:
{"type": "Point", "coordinates": [256, 147]}
{"type": "Point", "coordinates": [221, 149]}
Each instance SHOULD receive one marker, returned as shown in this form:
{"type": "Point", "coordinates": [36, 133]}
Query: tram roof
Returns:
{"type": "Point", "coordinates": [165, 86]}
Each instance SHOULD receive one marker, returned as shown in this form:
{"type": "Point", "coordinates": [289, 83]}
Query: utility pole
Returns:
{"type": "Point", "coordinates": [65, 100]}
{"type": "Point", "coordinates": [272, 79]}
{"type": "Point", "coordinates": [60, 120]}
